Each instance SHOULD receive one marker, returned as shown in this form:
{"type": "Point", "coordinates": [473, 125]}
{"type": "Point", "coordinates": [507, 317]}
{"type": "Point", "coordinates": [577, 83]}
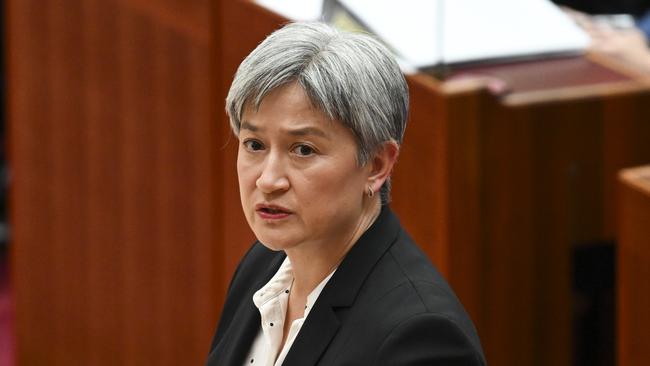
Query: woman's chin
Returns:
{"type": "Point", "coordinates": [276, 244]}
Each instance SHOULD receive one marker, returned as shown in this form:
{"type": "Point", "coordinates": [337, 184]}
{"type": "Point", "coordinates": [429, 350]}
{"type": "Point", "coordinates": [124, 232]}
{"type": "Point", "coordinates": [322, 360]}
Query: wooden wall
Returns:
{"type": "Point", "coordinates": [634, 267]}
{"type": "Point", "coordinates": [116, 191]}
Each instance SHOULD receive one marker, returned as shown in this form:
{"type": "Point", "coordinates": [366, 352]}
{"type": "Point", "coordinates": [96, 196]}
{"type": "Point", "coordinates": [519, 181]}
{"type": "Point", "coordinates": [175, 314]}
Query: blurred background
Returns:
{"type": "Point", "coordinates": [523, 174]}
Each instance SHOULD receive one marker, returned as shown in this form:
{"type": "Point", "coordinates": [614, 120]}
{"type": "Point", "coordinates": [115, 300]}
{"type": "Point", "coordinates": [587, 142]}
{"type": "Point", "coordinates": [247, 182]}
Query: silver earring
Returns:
{"type": "Point", "coordinates": [371, 193]}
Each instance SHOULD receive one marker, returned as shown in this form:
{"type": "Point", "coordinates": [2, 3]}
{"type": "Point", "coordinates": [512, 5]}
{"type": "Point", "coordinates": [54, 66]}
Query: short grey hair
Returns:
{"type": "Point", "coordinates": [350, 77]}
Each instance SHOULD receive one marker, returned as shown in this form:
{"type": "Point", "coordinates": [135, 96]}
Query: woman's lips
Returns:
{"type": "Point", "coordinates": [272, 212]}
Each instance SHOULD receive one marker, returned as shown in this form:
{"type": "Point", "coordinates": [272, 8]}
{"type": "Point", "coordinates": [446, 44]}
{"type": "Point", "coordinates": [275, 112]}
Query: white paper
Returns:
{"type": "Point", "coordinates": [428, 32]}
{"type": "Point", "coordinates": [408, 26]}
{"type": "Point", "coordinates": [479, 29]}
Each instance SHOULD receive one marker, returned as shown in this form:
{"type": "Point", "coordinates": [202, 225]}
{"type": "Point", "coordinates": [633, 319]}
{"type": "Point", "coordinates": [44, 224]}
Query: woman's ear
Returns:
{"type": "Point", "coordinates": [381, 164]}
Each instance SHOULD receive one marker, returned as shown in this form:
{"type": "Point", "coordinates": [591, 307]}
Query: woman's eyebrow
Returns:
{"type": "Point", "coordinates": [248, 126]}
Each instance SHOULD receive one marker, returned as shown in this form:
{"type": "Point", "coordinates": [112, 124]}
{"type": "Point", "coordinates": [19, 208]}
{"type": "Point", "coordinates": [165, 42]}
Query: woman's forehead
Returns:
{"type": "Point", "coordinates": [292, 92]}
{"type": "Point", "coordinates": [288, 103]}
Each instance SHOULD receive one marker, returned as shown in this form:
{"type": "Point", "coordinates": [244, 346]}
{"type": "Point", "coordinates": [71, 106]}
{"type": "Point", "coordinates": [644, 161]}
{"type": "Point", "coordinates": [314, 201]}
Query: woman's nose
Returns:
{"type": "Point", "coordinates": [273, 177]}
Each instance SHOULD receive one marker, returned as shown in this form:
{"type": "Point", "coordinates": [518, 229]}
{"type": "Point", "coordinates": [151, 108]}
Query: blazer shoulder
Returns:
{"type": "Point", "coordinates": [424, 278]}
{"type": "Point", "coordinates": [435, 297]}
{"type": "Point", "coordinates": [427, 338]}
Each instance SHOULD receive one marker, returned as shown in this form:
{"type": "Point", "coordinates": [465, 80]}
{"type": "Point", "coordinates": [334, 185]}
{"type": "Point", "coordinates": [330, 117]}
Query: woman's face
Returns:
{"type": "Point", "coordinates": [299, 181]}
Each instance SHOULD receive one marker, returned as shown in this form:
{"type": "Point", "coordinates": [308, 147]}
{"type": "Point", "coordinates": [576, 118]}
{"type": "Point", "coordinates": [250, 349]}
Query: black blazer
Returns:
{"type": "Point", "coordinates": [385, 305]}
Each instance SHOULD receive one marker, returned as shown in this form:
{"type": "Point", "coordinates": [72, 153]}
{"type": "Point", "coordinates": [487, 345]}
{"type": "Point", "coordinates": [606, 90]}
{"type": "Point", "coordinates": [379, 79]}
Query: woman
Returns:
{"type": "Point", "coordinates": [334, 279]}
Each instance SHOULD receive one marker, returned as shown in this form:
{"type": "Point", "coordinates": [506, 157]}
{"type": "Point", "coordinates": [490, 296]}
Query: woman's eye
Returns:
{"type": "Point", "coordinates": [253, 145]}
{"type": "Point", "coordinates": [303, 150]}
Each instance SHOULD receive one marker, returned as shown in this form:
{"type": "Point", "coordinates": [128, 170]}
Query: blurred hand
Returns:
{"type": "Point", "coordinates": [629, 44]}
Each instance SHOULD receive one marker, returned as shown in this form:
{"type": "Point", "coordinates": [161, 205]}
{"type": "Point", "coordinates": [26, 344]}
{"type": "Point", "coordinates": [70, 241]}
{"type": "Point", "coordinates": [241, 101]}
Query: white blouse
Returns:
{"type": "Point", "coordinates": [271, 300]}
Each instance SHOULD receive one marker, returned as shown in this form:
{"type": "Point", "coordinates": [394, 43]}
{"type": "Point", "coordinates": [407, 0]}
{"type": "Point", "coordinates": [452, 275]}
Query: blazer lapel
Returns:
{"type": "Point", "coordinates": [238, 339]}
{"type": "Point", "coordinates": [314, 337]}
{"type": "Point", "coordinates": [322, 323]}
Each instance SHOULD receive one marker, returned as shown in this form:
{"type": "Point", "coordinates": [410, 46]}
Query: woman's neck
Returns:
{"type": "Point", "coordinates": [311, 264]}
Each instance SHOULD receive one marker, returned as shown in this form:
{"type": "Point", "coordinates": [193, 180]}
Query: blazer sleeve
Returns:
{"type": "Point", "coordinates": [428, 339]}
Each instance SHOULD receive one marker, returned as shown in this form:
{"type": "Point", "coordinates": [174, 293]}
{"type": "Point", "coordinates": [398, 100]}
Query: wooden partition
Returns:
{"type": "Point", "coordinates": [116, 195]}
{"type": "Point", "coordinates": [634, 267]}
{"type": "Point", "coordinates": [499, 194]}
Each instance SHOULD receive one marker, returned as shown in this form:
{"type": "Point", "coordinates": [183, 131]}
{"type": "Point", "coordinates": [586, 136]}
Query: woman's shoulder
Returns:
{"type": "Point", "coordinates": [416, 268]}
{"type": "Point", "coordinates": [417, 287]}
{"type": "Point", "coordinates": [406, 295]}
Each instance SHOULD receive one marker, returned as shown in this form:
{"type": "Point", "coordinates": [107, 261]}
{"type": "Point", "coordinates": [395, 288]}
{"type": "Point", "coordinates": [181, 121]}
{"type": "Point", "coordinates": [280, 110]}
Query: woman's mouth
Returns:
{"type": "Point", "coordinates": [269, 212]}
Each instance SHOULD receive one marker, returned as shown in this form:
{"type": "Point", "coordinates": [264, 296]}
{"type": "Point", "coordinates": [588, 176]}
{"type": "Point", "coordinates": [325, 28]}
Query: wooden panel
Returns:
{"type": "Point", "coordinates": [500, 194]}
{"type": "Point", "coordinates": [625, 138]}
{"type": "Point", "coordinates": [634, 267]}
{"type": "Point", "coordinates": [115, 186]}
{"type": "Point", "coordinates": [33, 316]}
{"type": "Point", "coordinates": [520, 187]}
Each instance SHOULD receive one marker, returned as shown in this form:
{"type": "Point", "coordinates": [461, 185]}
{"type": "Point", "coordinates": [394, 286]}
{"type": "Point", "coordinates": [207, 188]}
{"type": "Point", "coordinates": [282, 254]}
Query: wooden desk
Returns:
{"type": "Point", "coordinates": [499, 190]}
{"type": "Point", "coordinates": [496, 189]}
{"type": "Point", "coordinates": [634, 267]}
